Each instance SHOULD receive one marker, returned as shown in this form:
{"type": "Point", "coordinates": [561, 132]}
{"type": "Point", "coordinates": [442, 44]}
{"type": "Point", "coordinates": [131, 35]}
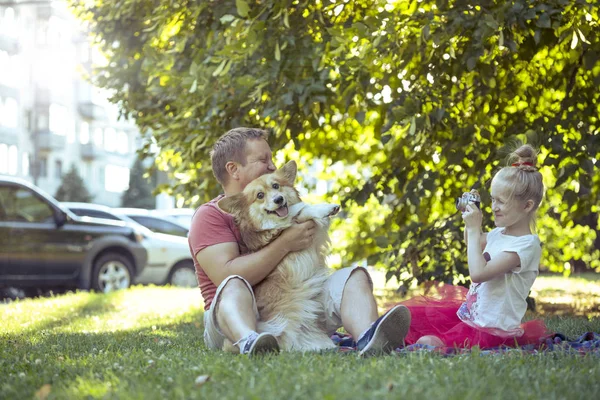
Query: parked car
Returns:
{"type": "Point", "coordinates": [43, 245]}
{"type": "Point", "coordinates": [169, 257]}
{"type": "Point", "coordinates": [181, 215]}
{"type": "Point", "coordinates": [154, 221]}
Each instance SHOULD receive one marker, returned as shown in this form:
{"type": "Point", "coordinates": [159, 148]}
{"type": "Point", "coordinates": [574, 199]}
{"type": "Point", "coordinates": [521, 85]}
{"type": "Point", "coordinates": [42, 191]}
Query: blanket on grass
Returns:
{"type": "Point", "coordinates": [587, 343]}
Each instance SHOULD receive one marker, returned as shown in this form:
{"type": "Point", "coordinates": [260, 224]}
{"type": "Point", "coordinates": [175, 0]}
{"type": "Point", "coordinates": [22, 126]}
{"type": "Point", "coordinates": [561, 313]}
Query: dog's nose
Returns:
{"type": "Point", "coordinates": [278, 200]}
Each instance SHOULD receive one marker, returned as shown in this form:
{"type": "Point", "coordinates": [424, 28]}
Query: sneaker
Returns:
{"type": "Point", "coordinates": [261, 344]}
{"type": "Point", "coordinates": [387, 332]}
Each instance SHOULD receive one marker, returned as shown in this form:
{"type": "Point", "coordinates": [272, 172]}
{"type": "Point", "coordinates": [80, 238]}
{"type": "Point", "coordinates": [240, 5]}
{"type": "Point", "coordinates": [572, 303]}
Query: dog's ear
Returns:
{"type": "Point", "coordinates": [289, 171]}
{"type": "Point", "coordinates": [232, 204]}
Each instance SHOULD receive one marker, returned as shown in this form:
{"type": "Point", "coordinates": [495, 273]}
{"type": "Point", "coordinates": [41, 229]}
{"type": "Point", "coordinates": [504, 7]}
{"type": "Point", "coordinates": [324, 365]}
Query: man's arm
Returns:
{"type": "Point", "coordinates": [222, 260]}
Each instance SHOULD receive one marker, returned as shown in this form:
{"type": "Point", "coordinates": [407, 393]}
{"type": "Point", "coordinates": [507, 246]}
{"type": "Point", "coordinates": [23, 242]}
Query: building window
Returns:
{"type": "Point", "coordinates": [54, 31]}
{"type": "Point", "coordinates": [58, 169]}
{"type": "Point", "coordinates": [3, 158]}
{"type": "Point", "coordinates": [59, 119]}
{"type": "Point", "coordinates": [84, 132]}
{"type": "Point", "coordinates": [116, 178]}
{"type": "Point", "coordinates": [101, 174]}
{"type": "Point", "coordinates": [98, 137]}
{"type": "Point", "coordinates": [84, 49]}
{"type": "Point", "coordinates": [5, 67]}
{"type": "Point", "coordinates": [8, 25]}
{"type": "Point", "coordinates": [123, 142]}
{"type": "Point", "coordinates": [43, 163]}
{"type": "Point", "coordinates": [71, 131]}
{"type": "Point", "coordinates": [110, 139]}
{"type": "Point", "coordinates": [42, 121]}
{"type": "Point", "coordinates": [25, 164]}
{"type": "Point", "coordinates": [13, 160]}
{"type": "Point", "coordinates": [9, 112]}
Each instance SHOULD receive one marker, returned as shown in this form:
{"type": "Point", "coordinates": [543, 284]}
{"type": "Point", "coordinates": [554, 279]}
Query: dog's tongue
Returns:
{"type": "Point", "coordinates": [282, 211]}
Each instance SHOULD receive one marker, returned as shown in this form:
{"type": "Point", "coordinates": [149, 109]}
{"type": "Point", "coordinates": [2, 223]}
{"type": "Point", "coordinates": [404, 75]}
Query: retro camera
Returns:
{"type": "Point", "coordinates": [466, 198]}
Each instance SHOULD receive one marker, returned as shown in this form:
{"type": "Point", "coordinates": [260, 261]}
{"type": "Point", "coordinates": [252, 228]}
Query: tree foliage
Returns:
{"type": "Point", "coordinates": [72, 188]}
{"type": "Point", "coordinates": [407, 104]}
{"type": "Point", "coordinates": [139, 193]}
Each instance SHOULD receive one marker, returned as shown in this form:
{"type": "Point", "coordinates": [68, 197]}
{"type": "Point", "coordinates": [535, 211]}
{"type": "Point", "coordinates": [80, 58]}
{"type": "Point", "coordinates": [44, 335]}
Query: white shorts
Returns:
{"type": "Point", "coordinates": [214, 338]}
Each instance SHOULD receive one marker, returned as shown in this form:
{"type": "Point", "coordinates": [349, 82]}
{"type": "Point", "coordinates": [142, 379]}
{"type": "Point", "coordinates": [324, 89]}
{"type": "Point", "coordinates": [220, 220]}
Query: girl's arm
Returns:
{"type": "Point", "coordinates": [483, 237]}
{"type": "Point", "coordinates": [481, 270]}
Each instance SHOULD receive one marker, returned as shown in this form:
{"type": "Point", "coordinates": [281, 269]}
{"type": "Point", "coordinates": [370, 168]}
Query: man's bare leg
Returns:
{"type": "Point", "coordinates": [235, 314]}
{"type": "Point", "coordinates": [358, 309]}
{"type": "Point", "coordinates": [359, 317]}
{"type": "Point", "coordinates": [236, 319]}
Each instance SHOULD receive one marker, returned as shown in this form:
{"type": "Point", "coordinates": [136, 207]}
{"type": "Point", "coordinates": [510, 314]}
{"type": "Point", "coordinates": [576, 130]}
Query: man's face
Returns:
{"type": "Point", "coordinates": [259, 161]}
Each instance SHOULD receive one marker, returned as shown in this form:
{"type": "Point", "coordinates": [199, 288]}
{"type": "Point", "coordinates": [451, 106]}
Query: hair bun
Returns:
{"type": "Point", "coordinates": [525, 166]}
{"type": "Point", "coordinates": [526, 157]}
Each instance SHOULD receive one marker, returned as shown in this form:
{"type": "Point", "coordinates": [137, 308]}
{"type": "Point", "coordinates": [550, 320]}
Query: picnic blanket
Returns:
{"type": "Point", "coordinates": [587, 343]}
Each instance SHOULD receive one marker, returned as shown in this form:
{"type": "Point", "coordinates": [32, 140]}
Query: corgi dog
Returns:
{"type": "Point", "coordinates": [291, 299]}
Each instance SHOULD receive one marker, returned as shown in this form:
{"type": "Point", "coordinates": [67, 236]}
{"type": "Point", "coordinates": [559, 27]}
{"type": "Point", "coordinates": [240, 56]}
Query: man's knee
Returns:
{"type": "Point", "coordinates": [360, 280]}
{"type": "Point", "coordinates": [235, 288]}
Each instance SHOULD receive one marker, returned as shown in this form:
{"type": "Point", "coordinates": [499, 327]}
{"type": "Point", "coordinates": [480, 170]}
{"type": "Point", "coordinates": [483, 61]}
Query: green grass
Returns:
{"type": "Point", "coordinates": [146, 343]}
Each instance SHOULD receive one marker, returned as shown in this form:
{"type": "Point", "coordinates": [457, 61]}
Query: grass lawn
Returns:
{"type": "Point", "coordinates": [146, 343]}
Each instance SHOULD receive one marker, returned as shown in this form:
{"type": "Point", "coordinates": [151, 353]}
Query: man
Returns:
{"type": "Point", "coordinates": [226, 272]}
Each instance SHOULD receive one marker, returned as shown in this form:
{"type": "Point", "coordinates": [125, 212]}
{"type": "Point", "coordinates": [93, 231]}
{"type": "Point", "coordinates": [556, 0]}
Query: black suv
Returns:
{"type": "Point", "coordinates": [43, 245]}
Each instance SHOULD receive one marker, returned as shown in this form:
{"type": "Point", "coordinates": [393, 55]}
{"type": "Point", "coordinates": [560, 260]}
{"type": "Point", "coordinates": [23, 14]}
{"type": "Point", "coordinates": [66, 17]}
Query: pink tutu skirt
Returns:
{"type": "Point", "coordinates": [436, 315]}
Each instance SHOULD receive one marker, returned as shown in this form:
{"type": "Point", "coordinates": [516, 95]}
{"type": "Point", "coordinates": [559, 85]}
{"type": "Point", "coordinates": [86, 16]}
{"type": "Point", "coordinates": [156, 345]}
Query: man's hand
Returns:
{"type": "Point", "coordinates": [299, 236]}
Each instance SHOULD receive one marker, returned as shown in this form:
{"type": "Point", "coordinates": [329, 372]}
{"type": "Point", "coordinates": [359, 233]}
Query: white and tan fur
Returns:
{"type": "Point", "coordinates": [291, 298]}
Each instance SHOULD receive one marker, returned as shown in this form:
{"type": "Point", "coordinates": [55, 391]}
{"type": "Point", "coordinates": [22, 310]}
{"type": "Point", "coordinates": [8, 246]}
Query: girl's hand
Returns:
{"type": "Point", "coordinates": [472, 217]}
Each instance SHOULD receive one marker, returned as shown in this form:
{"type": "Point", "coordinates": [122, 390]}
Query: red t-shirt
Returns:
{"type": "Point", "coordinates": [211, 226]}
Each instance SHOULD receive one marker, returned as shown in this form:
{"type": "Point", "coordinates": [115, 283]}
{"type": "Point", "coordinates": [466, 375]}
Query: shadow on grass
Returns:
{"type": "Point", "coordinates": [76, 362]}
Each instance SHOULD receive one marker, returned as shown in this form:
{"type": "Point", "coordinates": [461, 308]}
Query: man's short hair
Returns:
{"type": "Point", "coordinates": [232, 147]}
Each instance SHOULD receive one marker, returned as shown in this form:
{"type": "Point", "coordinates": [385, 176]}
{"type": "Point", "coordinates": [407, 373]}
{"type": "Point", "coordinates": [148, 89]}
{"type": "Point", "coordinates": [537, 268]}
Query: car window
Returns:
{"type": "Point", "coordinates": [159, 225]}
{"type": "Point", "coordinates": [22, 205]}
{"type": "Point", "coordinates": [82, 212]}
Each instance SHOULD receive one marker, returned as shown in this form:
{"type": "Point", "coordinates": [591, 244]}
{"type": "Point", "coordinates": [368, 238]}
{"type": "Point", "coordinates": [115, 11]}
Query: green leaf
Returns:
{"type": "Point", "coordinates": [413, 126]}
{"type": "Point", "coordinates": [194, 86]}
{"type": "Point", "coordinates": [574, 41]}
{"type": "Point", "coordinates": [382, 241]}
{"type": "Point", "coordinates": [220, 68]}
{"type": "Point", "coordinates": [472, 62]}
{"type": "Point", "coordinates": [242, 8]}
{"type": "Point", "coordinates": [226, 18]}
{"type": "Point", "coordinates": [286, 19]}
{"type": "Point", "coordinates": [277, 52]}
{"type": "Point", "coordinates": [544, 21]}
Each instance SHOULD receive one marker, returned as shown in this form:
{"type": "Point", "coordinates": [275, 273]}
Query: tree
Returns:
{"type": "Point", "coordinates": [72, 188]}
{"type": "Point", "coordinates": [407, 103]}
{"type": "Point", "coordinates": [139, 193]}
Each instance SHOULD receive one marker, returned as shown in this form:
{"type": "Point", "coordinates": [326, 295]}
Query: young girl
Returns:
{"type": "Point", "coordinates": [503, 265]}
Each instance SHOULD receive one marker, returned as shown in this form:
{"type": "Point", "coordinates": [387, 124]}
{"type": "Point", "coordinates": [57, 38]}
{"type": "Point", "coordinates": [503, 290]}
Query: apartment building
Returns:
{"type": "Point", "coordinates": [50, 117]}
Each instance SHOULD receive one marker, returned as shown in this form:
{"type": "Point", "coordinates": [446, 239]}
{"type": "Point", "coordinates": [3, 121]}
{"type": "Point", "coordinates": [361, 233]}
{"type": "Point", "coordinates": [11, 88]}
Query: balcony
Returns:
{"type": "Point", "coordinates": [9, 44]}
{"type": "Point", "coordinates": [48, 141]}
{"type": "Point", "coordinates": [89, 152]}
{"type": "Point", "coordinates": [91, 111]}
{"type": "Point", "coordinates": [9, 136]}
{"type": "Point", "coordinates": [45, 96]}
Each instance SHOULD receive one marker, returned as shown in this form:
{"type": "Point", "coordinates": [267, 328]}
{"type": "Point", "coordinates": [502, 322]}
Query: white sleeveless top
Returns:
{"type": "Point", "coordinates": [498, 305]}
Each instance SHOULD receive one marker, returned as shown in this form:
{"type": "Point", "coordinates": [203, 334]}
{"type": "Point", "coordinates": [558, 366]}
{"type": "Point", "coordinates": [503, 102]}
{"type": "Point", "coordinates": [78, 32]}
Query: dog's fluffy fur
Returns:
{"type": "Point", "coordinates": [291, 299]}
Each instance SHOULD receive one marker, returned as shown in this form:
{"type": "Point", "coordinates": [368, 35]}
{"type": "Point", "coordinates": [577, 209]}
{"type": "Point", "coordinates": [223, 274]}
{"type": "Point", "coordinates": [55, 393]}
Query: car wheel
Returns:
{"type": "Point", "coordinates": [111, 272]}
{"type": "Point", "coordinates": [183, 275]}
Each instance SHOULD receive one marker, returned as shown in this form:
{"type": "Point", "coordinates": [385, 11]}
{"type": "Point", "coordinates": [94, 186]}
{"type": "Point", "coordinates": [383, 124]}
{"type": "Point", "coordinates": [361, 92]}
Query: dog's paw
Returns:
{"type": "Point", "coordinates": [321, 210]}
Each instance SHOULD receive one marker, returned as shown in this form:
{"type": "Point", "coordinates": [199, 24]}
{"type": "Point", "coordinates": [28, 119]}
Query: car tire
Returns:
{"type": "Point", "coordinates": [111, 272]}
{"type": "Point", "coordinates": [183, 275]}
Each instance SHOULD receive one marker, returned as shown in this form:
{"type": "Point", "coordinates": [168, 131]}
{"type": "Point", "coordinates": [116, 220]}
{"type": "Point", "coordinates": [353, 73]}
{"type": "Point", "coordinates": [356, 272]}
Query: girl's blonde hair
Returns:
{"type": "Point", "coordinates": [523, 179]}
